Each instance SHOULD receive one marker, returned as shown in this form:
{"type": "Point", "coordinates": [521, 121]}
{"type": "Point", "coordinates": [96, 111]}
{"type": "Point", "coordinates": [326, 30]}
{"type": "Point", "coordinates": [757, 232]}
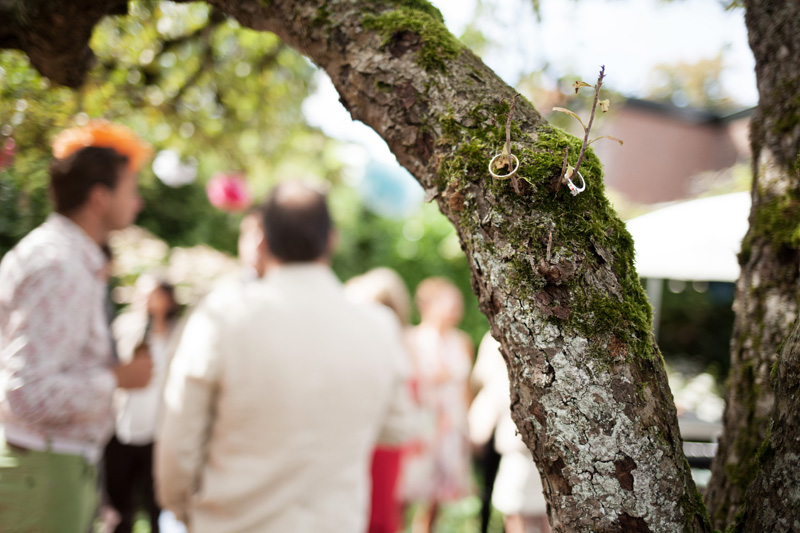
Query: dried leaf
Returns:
{"type": "Point", "coordinates": [610, 137]}
{"type": "Point", "coordinates": [502, 161]}
{"type": "Point", "coordinates": [570, 113]}
{"type": "Point", "coordinates": [578, 84]}
{"type": "Point", "coordinates": [604, 105]}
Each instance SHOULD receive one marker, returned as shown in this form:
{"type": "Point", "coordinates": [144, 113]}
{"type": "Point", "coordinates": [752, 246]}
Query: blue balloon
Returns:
{"type": "Point", "coordinates": [390, 190]}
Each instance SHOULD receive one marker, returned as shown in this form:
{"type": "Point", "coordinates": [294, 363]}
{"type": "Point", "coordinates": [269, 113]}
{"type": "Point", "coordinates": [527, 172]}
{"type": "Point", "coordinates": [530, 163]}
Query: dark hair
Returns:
{"type": "Point", "coordinates": [72, 178]}
{"type": "Point", "coordinates": [107, 252]}
{"type": "Point", "coordinates": [169, 289]}
{"type": "Point", "coordinates": [297, 223]}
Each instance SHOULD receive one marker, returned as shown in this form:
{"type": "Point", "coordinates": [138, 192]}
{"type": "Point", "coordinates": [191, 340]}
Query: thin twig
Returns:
{"type": "Point", "coordinates": [515, 184]}
{"type": "Point", "coordinates": [549, 243]}
{"type": "Point", "coordinates": [591, 119]}
{"type": "Point", "coordinates": [508, 128]}
{"type": "Point", "coordinates": [564, 166]}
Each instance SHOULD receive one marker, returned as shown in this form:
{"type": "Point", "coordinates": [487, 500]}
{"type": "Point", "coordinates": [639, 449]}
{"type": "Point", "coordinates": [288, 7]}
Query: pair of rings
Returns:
{"type": "Point", "coordinates": [574, 189]}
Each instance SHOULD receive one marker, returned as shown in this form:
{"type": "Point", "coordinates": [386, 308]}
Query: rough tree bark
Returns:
{"type": "Point", "coordinates": [55, 35]}
{"type": "Point", "coordinates": [772, 502]}
{"type": "Point", "coordinates": [554, 273]}
{"type": "Point", "coordinates": [766, 302]}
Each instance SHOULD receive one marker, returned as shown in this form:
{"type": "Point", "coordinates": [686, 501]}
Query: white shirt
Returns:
{"type": "Point", "coordinates": [275, 398]}
{"type": "Point", "coordinates": [138, 410]}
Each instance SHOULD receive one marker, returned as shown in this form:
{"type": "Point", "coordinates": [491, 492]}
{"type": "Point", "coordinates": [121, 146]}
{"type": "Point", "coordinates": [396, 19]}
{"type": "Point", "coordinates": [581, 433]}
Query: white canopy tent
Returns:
{"type": "Point", "coordinates": [696, 240]}
{"type": "Point", "coordinates": [693, 240]}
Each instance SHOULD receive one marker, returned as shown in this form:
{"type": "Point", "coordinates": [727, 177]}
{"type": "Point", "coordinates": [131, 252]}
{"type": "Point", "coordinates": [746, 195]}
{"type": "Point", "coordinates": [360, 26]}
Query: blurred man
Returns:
{"type": "Point", "coordinates": [57, 374]}
{"type": "Point", "coordinates": [279, 391]}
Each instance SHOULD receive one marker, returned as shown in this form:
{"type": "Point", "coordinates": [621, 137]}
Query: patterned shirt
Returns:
{"type": "Point", "coordinates": [56, 381]}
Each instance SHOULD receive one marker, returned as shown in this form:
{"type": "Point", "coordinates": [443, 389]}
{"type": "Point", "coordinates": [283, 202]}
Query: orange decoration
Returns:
{"type": "Point", "coordinates": [103, 134]}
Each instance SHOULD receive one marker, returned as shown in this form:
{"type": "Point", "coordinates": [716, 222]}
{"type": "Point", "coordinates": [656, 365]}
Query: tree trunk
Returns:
{"type": "Point", "coordinates": [767, 291]}
{"type": "Point", "coordinates": [772, 501]}
{"type": "Point", "coordinates": [55, 35]}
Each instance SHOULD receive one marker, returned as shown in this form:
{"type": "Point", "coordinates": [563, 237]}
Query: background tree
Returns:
{"type": "Point", "coordinates": [767, 291]}
{"type": "Point", "coordinates": [553, 272]}
{"type": "Point", "coordinates": [696, 84]}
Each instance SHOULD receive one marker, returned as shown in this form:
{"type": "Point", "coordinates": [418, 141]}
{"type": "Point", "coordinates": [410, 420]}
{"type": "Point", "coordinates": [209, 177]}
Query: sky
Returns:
{"type": "Point", "coordinates": [629, 37]}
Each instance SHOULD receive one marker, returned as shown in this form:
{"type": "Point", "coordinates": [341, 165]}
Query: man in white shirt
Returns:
{"type": "Point", "coordinates": [279, 390]}
{"type": "Point", "coordinates": [57, 374]}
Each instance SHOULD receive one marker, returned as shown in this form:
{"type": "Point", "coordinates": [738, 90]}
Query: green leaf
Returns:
{"type": "Point", "coordinates": [570, 113]}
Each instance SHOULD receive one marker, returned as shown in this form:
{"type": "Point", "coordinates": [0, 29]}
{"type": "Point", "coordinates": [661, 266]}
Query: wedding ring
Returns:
{"type": "Point", "coordinates": [573, 188]}
{"type": "Point", "coordinates": [513, 172]}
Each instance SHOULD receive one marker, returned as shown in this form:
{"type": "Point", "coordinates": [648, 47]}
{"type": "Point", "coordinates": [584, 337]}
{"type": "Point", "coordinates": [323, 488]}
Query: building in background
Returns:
{"type": "Point", "coordinates": [667, 147]}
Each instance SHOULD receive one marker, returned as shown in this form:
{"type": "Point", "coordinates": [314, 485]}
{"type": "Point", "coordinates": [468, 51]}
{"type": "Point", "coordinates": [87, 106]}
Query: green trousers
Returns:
{"type": "Point", "coordinates": [46, 492]}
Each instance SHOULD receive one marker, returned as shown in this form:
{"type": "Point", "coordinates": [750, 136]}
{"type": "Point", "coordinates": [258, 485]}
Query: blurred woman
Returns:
{"type": "Point", "coordinates": [146, 331]}
{"type": "Point", "coordinates": [386, 287]}
{"type": "Point", "coordinates": [518, 487]}
{"type": "Point", "coordinates": [439, 468]}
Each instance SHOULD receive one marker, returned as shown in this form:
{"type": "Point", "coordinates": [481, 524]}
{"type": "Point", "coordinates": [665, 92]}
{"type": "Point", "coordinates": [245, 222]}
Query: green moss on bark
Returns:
{"type": "Point", "coordinates": [777, 219]}
{"type": "Point", "coordinates": [584, 228]}
{"type": "Point", "coordinates": [695, 509]}
{"type": "Point", "coordinates": [437, 44]}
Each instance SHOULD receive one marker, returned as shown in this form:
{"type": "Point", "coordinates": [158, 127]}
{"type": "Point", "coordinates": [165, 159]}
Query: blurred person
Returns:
{"type": "Point", "coordinates": [145, 331]}
{"type": "Point", "coordinates": [439, 469]}
{"type": "Point", "coordinates": [518, 492]}
{"type": "Point", "coordinates": [483, 416]}
{"type": "Point", "coordinates": [250, 244]}
{"type": "Point", "coordinates": [57, 375]}
{"type": "Point", "coordinates": [279, 391]}
{"type": "Point", "coordinates": [384, 286]}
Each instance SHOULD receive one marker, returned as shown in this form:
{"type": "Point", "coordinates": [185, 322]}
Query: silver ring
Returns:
{"type": "Point", "coordinates": [504, 176]}
{"type": "Point", "coordinates": [573, 188]}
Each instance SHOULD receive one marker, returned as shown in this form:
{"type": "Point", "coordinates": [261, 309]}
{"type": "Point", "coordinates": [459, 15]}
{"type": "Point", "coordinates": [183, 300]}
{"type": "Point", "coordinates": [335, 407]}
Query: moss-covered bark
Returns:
{"type": "Point", "coordinates": [766, 302]}
{"type": "Point", "coordinates": [772, 501]}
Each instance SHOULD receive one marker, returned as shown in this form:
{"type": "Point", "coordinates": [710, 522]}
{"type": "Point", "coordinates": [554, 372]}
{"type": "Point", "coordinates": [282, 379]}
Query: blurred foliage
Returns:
{"type": "Point", "coordinates": [697, 84]}
{"type": "Point", "coordinates": [422, 245]}
{"type": "Point", "coordinates": [187, 79]}
{"type": "Point", "coordinates": [696, 325]}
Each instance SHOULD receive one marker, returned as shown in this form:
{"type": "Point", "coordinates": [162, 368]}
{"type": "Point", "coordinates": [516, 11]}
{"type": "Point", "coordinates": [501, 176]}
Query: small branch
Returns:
{"type": "Point", "coordinates": [591, 119]}
{"type": "Point", "coordinates": [564, 166]}
{"type": "Point", "coordinates": [508, 129]}
{"type": "Point", "coordinates": [515, 184]}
